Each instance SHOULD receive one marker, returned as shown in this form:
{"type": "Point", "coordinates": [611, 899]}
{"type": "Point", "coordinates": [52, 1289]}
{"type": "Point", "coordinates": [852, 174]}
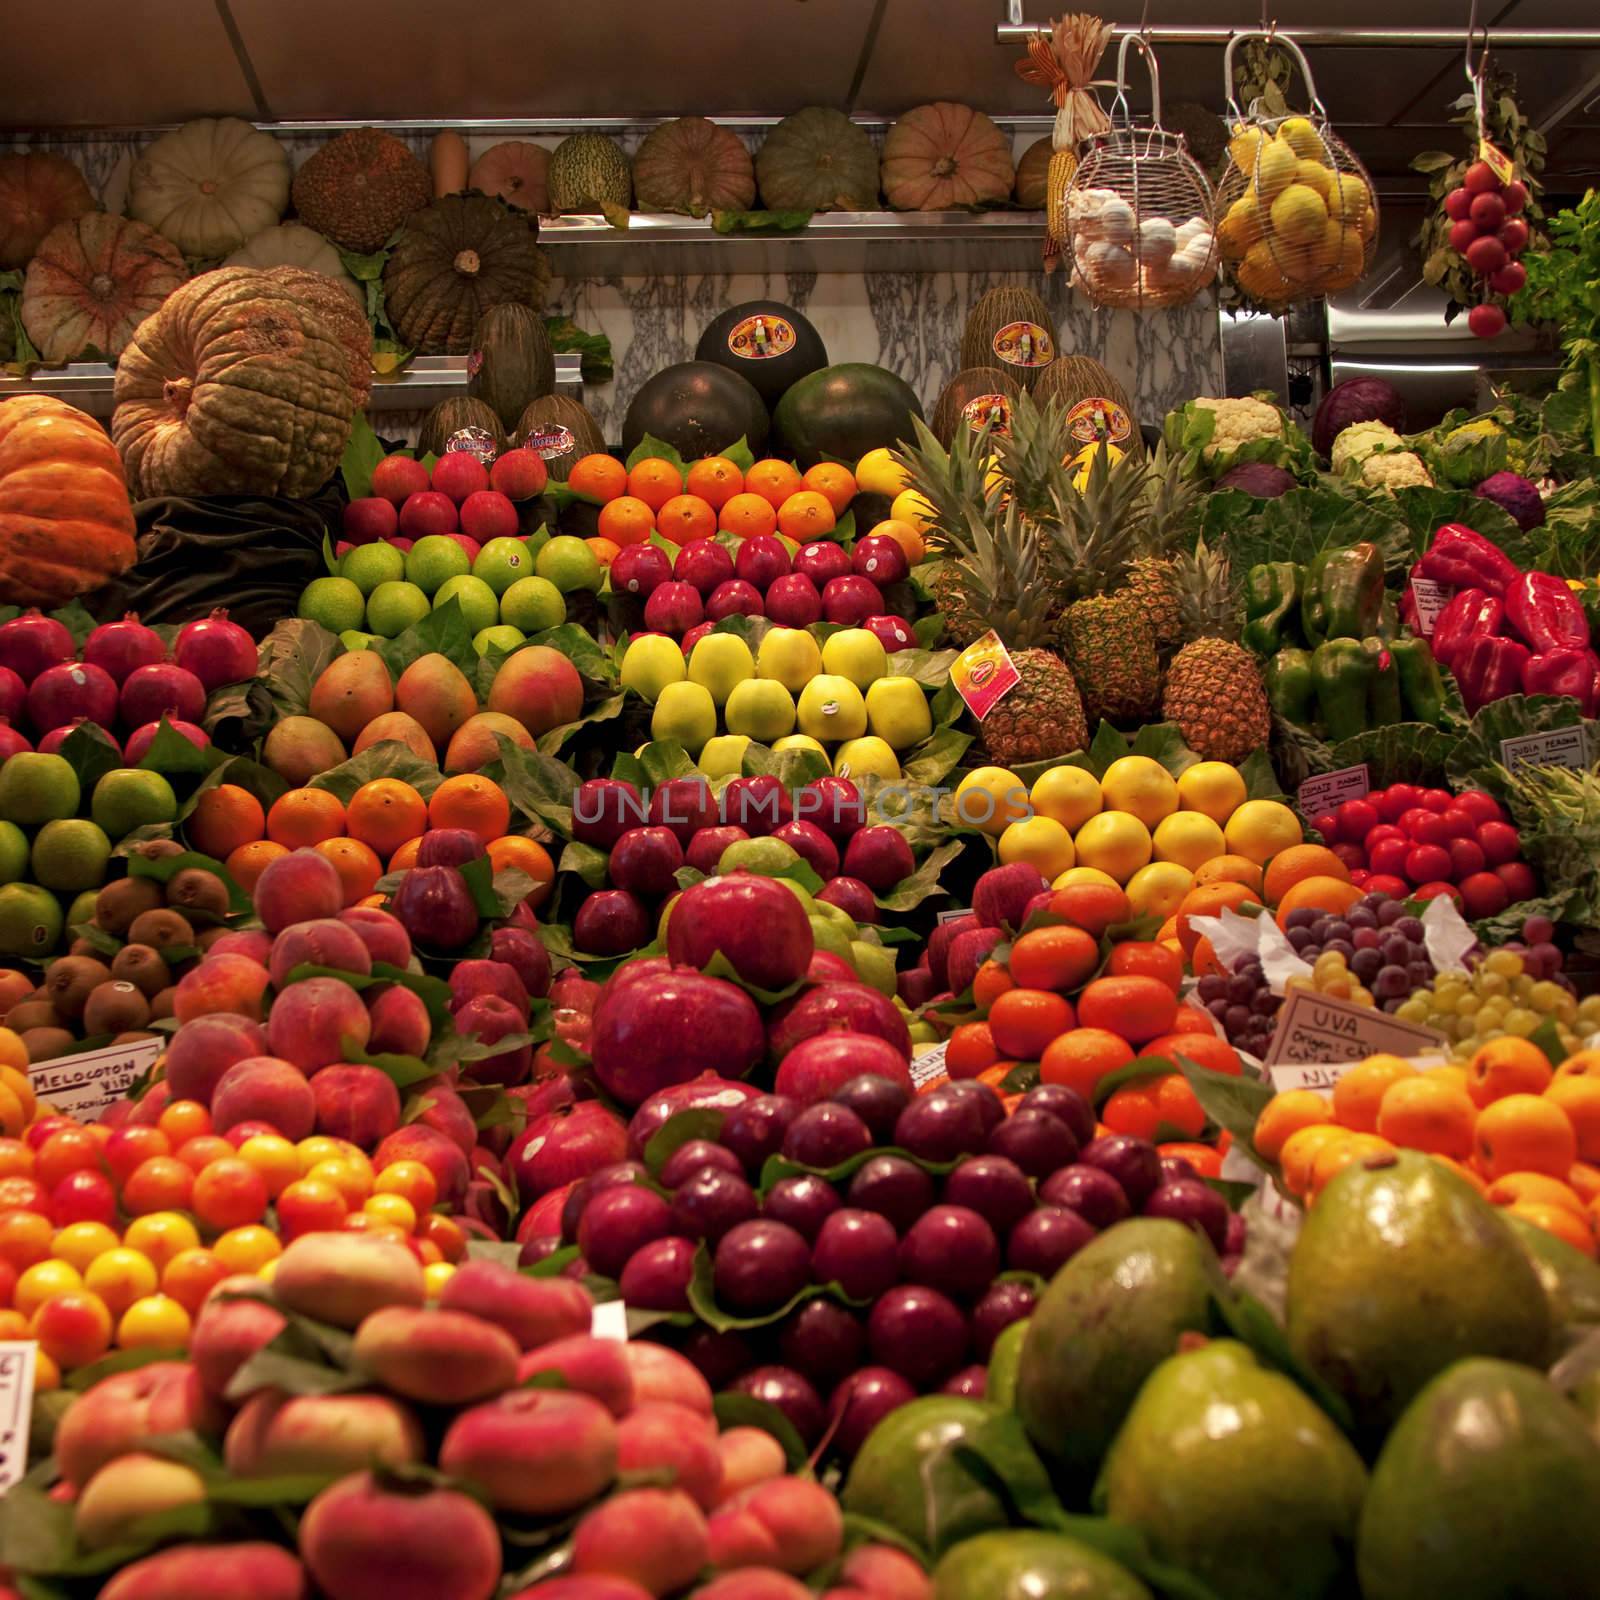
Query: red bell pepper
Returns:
{"type": "Point", "coordinates": [1547, 613]}
{"type": "Point", "coordinates": [1490, 669]}
{"type": "Point", "coordinates": [1408, 601]}
{"type": "Point", "coordinates": [1463, 557]}
{"type": "Point", "coordinates": [1569, 672]}
{"type": "Point", "coordinates": [1469, 615]}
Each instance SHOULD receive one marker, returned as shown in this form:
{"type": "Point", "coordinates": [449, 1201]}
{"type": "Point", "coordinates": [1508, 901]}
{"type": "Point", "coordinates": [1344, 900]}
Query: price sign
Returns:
{"type": "Point", "coordinates": [953, 913]}
{"type": "Point", "coordinates": [1316, 1033]}
{"type": "Point", "coordinates": [1431, 597]}
{"type": "Point", "coordinates": [83, 1086]}
{"type": "Point", "coordinates": [16, 1408]}
{"type": "Point", "coordinates": [1330, 789]}
{"type": "Point", "coordinates": [1555, 747]}
{"type": "Point", "coordinates": [984, 674]}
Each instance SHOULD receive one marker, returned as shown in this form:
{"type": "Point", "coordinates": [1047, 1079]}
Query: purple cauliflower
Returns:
{"type": "Point", "coordinates": [1518, 498]}
{"type": "Point", "coordinates": [1259, 478]}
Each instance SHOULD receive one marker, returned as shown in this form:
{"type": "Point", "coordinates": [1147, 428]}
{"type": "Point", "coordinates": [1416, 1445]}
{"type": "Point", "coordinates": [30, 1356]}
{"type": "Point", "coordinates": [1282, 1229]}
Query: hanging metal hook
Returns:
{"type": "Point", "coordinates": [1475, 73]}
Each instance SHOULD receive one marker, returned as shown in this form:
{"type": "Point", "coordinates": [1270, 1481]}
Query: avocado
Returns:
{"type": "Point", "coordinates": [1004, 1360]}
{"type": "Point", "coordinates": [1233, 1474]}
{"type": "Point", "coordinates": [1570, 1278]}
{"type": "Point", "coordinates": [1030, 1565]}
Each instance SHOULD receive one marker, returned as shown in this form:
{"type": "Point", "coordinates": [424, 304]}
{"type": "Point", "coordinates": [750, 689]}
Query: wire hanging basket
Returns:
{"type": "Point", "coordinates": [1140, 213]}
{"type": "Point", "coordinates": [1298, 216]}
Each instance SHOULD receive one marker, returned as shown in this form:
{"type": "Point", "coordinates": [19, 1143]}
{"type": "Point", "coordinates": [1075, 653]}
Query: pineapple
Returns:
{"type": "Point", "coordinates": [1213, 690]}
{"type": "Point", "coordinates": [1170, 501]}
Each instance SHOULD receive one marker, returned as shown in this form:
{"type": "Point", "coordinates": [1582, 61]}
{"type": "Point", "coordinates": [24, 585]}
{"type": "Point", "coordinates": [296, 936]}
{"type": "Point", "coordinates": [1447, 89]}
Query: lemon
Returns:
{"type": "Point", "coordinates": [877, 472]}
{"type": "Point", "coordinates": [1316, 176]}
{"type": "Point", "coordinates": [1069, 794]}
{"type": "Point", "coordinates": [1298, 215]}
{"type": "Point", "coordinates": [1245, 146]}
{"type": "Point", "coordinates": [1188, 838]}
{"type": "Point", "coordinates": [1259, 829]}
{"type": "Point", "coordinates": [1040, 841]}
{"type": "Point", "coordinates": [1158, 889]}
{"type": "Point", "coordinates": [1240, 227]}
{"type": "Point", "coordinates": [1082, 464]}
{"type": "Point", "coordinates": [867, 756]}
{"type": "Point", "coordinates": [1142, 787]}
{"type": "Point", "coordinates": [1114, 841]}
{"type": "Point", "coordinates": [991, 799]}
{"type": "Point", "coordinates": [1213, 788]}
{"type": "Point", "coordinates": [909, 506]}
{"type": "Point", "coordinates": [722, 755]}
{"type": "Point", "coordinates": [1301, 136]}
{"type": "Point", "coordinates": [799, 741]}
{"type": "Point", "coordinates": [1084, 875]}
{"type": "Point", "coordinates": [1348, 197]}
{"type": "Point", "coordinates": [1276, 165]}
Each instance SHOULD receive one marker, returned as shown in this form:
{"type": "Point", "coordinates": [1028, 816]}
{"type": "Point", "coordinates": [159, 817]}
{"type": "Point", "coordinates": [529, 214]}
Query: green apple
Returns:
{"type": "Point", "coordinates": [868, 757]}
{"type": "Point", "coordinates": [875, 964]}
{"type": "Point", "coordinates": [828, 935]}
{"type": "Point", "coordinates": [723, 755]}
{"type": "Point", "coordinates": [838, 916]}
{"type": "Point", "coordinates": [650, 663]}
{"type": "Point", "coordinates": [686, 713]}
{"type": "Point", "coordinates": [897, 711]}
{"type": "Point", "coordinates": [831, 708]}
{"type": "Point", "coordinates": [661, 921]}
{"type": "Point", "coordinates": [855, 654]}
{"type": "Point", "coordinates": [501, 562]}
{"type": "Point", "coordinates": [500, 637]}
{"type": "Point", "coordinates": [771, 857]}
{"type": "Point", "coordinates": [791, 656]}
{"type": "Point", "coordinates": [800, 741]}
{"type": "Point", "coordinates": [479, 603]}
{"type": "Point", "coordinates": [760, 707]}
{"type": "Point", "coordinates": [923, 1033]}
{"type": "Point", "coordinates": [355, 639]}
{"type": "Point", "coordinates": [718, 662]}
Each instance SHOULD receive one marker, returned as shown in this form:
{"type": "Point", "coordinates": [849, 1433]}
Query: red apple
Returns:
{"type": "Point", "coordinates": [822, 560]}
{"type": "Point", "coordinates": [755, 923]}
{"type": "Point", "coordinates": [762, 559]}
{"type": "Point", "coordinates": [826, 1061]}
{"type": "Point", "coordinates": [368, 520]}
{"type": "Point", "coordinates": [458, 474]}
{"type": "Point", "coordinates": [397, 478]}
{"type": "Point", "coordinates": [703, 563]}
{"type": "Point", "coordinates": [734, 598]}
{"type": "Point", "coordinates": [793, 601]}
{"type": "Point", "coordinates": [487, 514]}
{"type": "Point", "coordinates": [519, 474]}
{"type": "Point", "coordinates": [851, 600]}
{"type": "Point", "coordinates": [427, 512]}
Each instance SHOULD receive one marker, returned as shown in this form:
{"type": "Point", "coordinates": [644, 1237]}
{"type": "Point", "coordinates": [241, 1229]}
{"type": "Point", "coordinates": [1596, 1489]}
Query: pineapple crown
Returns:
{"type": "Point", "coordinates": [1208, 599]}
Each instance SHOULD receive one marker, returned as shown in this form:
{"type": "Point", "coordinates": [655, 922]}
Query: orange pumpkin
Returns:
{"type": "Point", "coordinates": [944, 155]}
{"type": "Point", "coordinates": [65, 522]}
{"type": "Point", "coordinates": [37, 190]}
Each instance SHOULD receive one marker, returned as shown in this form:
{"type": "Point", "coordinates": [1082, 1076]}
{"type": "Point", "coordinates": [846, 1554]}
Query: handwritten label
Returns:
{"type": "Point", "coordinates": [928, 1065]}
{"type": "Point", "coordinates": [954, 913]}
{"type": "Point", "coordinates": [17, 1359]}
{"type": "Point", "coordinates": [1316, 1032]}
{"type": "Point", "coordinates": [1331, 789]}
{"type": "Point", "coordinates": [1555, 747]}
{"type": "Point", "coordinates": [609, 1320]}
{"type": "Point", "coordinates": [83, 1086]}
{"type": "Point", "coordinates": [984, 674]}
{"type": "Point", "coordinates": [1430, 597]}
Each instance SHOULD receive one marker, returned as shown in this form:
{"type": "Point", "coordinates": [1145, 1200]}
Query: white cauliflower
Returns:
{"type": "Point", "coordinates": [1240, 421]}
{"type": "Point", "coordinates": [1381, 455]}
{"type": "Point", "coordinates": [1395, 469]}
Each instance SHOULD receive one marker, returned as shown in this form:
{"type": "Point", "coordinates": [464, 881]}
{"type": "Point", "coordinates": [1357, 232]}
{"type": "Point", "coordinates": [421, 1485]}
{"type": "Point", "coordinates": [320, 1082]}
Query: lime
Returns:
{"type": "Point", "coordinates": [13, 852]}
{"type": "Point", "coordinates": [71, 854]}
{"type": "Point", "coordinates": [394, 607]}
{"type": "Point", "coordinates": [502, 561]}
{"type": "Point", "coordinates": [82, 908]}
{"type": "Point", "coordinates": [432, 559]}
{"type": "Point", "coordinates": [368, 565]}
{"type": "Point", "coordinates": [501, 637]}
{"type": "Point", "coordinates": [336, 603]}
{"type": "Point", "coordinates": [38, 788]}
{"type": "Point", "coordinates": [533, 604]}
{"type": "Point", "coordinates": [355, 639]}
{"type": "Point", "coordinates": [476, 599]}
{"type": "Point", "coordinates": [569, 564]}
{"type": "Point", "coordinates": [128, 797]}
{"type": "Point", "coordinates": [30, 920]}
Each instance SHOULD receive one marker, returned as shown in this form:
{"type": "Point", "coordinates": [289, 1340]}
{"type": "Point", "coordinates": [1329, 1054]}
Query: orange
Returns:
{"type": "Point", "coordinates": [686, 517]}
{"type": "Point", "coordinates": [405, 856]}
{"type": "Point", "coordinates": [1167, 934]}
{"type": "Point", "coordinates": [1081, 1057]}
{"type": "Point", "coordinates": [1209, 900]}
{"type": "Point", "coordinates": [1302, 1148]}
{"type": "Point", "coordinates": [1516, 1187]}
{"type": "Point", "coordinates": [1137, 1008]}
{"type": "Point", "coordinates": [1298, 862]}
{"type": "Point", "coordinates": [516, 851]}
{"type": "Point", "coordinates": [1426, 1114]}
{"type": "Point", "coordinates": [1324, 892]}
{"type": "Point", "coordinates": [773, 480]}
{"type": "Point", "coordinates": [1204, 958]}
{"type": "Point", "coordinates": [1190, 1019]}
{"type": "Point", "coordinates": [747, 515]}
{"type": "Point", "coordinates": [1507, 1065]}
{"type": "Point", "coordinates": [191, 1275]}
{"type": "Point", "coordinates": [358, 866]}
{"type": "Point", "coordinates": [654, 481]}
{"type": "Point", "coordinates": [1584, 1181]}
{"type": "Point", "coordinates": [1580, 1099]}
{"type": "Point", "coordinates": [1451, 1074]}
{"type": "Point", "coordinates": [1525, 1133]}
{"type": "Point", "coordinates": [1229, 869]}
{"type": "Point", "coordinates": [1581, 1064]}
{"type": "Point", "coordinates": [223, 819]}
{"type": "Point", "coordinates": [1094, 907]}
{"type": "Point", "coordinates": [1358, 1095]}
{"type": "Point", "coordinates": [1285, 1114]}
{"type": "Point", "coordinates": [1334, 1158]}
{"type": "Point", "coordinates": [1133, 1110]}
{"type": "Point", "coordinates": [970, 1050]}
{"type": "Point", "coordinates": [626, 520]}
{"type": "Point", "coordinates": [249, 861]}
{"type": "Point", "coordinates": [1141, 958]}
{"type": "Point", "coordinates": [991, 982]}
{"type": "Point", "coordinates": [603, 550]}
{"type": "Point", "coordinates": [470, 801]}
{"type": "Point", "coordinates": [1559, 1221]}
{"type": "Point", "coordinates": [1054, 958]}
{"type": "Point", "coordinates": [385, 813]}
{"type": "Point", "coordinates": [598, 477]}
{"type": "Point", "coordinates": [1207, 1050]}
{"type": "Point", "coordinates": [183, 1120]}
{"type": "Point", "coordinates": [1023, 1021]}
{"type": "Point", "coordinates": [835, 483]}
{"type": "Point", "coordinates": [716, 480]}
{"type": "Point", "coordinates": [907, 537]}
{"type": "Point", "coordinates": [1177, 1105]}
{"type": "Point", "coordinates": [303, 817]}
{"type": "Point", "coordinates": [806, 516]}
{"type": "Point", "coordinates": [1202, 1157]}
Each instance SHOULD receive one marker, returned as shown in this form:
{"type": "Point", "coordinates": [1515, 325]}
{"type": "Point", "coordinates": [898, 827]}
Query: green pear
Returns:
{"type": "Point", "coordinates": [875, 964]}
{"type": "Point", "coordinates": [718, 662]}
{"type": "Point", "coordinates": [790, 656]}
{"type": "Point", "coordinates": [1030, 1564]}
{"type": "Point", "coordinates": [856, 654]}
{"type": "Point", "coordinates": [866, 757]}
{"type": "Point", "coordinates": [650, 663]}
{"type": "Point", "coordinates": [922, 1033]}
{"type": "Point", "coordinates": [761, 708]}
{"type": "Point", "coordinates": [1004, 1359]}
{"type": "Point", "coordinates": [831, 708]}
{"type": "Point", "coordinates": [723, 755]}
{"type": "Point", "coordinates": [897, 711]}
{"type": "Point", "coordinates": [686, 713]}
{"type": "Point", "coordinates": [661, 921]}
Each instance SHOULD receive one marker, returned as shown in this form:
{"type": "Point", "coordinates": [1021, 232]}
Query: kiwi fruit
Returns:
{"type": "Point", "coordinates": [44, 1044]}
{"type": "Point", "coordinates": [155, 849]}
{"type": "Point", "coordinates": [163, 929]}
{"type": "Point", "coordinates": [196, 890]}
{"type": "Point", "coordinates": [69, 982]}
{"type": "Point", "coordinates": [115, 1007]}
{"type": "Point", "coordinates": [36, 1012]}
{"type": "Point", "coordinates": [119, 903]}
{"type": "Point", "coordinates": [161, 1002]}
{"type": "Point", "coordinates": [83, 947]}
{"type": "Point", "coordinates": [143, 967]}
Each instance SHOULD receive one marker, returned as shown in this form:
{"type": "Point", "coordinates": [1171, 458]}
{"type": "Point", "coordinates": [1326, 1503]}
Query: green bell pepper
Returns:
{"type": "Point", "coordinates": [1383, 701]}
{"type": "Point", "coordinates": [1421, 686]}
{"type": "Point", "coordinates": [1290, 687]}
{"type": "Point", "coordinates": [1272, 605]}
{"type": "Point", "coordinates": [1343, 671]}
{"type": "Point", "coordinates": [1343, 596]}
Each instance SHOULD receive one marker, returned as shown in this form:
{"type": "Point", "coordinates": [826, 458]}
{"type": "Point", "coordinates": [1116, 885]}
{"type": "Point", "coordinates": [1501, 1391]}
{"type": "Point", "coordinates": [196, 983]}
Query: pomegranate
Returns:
{"type": "Point", "coordinates": [13, 694]}
{"type": "Point", "coordinates": [52, 742]}
{"type": "Point", "coordinates": [566, 1145]}
{"type": "Point", "coordinates": [708, 1092]}
{"type": "Point", "coordinates": [11, 742]}
{"type": "Point", "coordinates": [850, 1006]}
{"type": "Point", "coordinates": [119, 647]}
{"type": "Point", "coordinates": [140, 740]}
{"type": "Point", "coordinates": [163, 689]}
{"type": "Point", "coordinates": [216, 651]}
{"type": "Point", "coordinates": [70, 691]}
{"type": "Point", "coordinates": [32, 642]}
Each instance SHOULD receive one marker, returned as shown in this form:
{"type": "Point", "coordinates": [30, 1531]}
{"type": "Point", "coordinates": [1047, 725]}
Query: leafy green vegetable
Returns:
{"type": "Point", "coordinates": [1563, 289]}
{"type": "Point", "coordinates": [1301, 524]}
{"type": "Point", "coordinates": [567, 338]}
{"type": "Point", "coordinates": [361, 457]}
{"type": "Point", "coordinates": [292, 657]}
{"type": "Point", "coordinates": [760, 221]}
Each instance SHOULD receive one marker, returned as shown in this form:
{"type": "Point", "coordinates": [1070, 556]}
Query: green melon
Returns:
{"type": "Point", "coordinates": [561, 430]}
{"type": "Point", "coordinates": [588, 172]}
{"type": "Point", "coordinates": [971, 398]}
{"type": "Point", "coordinates": [1011, 328]}
{"type": "Point", "coordinates": [1069, 380]}
{"type": "Point", "coordinates": [842, 412]}
{"type": "Point", "coordinates": [511, 362]}
{"type": "Point", "coordinates": [450, 417]}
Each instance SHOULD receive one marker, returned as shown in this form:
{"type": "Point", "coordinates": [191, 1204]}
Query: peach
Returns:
{"type": "Point", "coordinates": [435, 691]}
{"type": "Point", "coordinates": [250, 1571]}
{"type": "Point", "coordinates": [396, 727]}
{"type": "Point", "coordinates": [539, 1452]}
{"type": "Point", "coordinates": [662, 1374]}
{"type": "Point", "coordinates": [149, 1106]}
{"type": "Point", "coordinates": [886, 1573]}
{"type": "Point", "coordinates": [317, 1022]}
{"type": "Point", "coordinates": [383, 934]}
{"type": "Point", "coordinates": [252, 942]}
{"type": "Point", "coordinates": [793, 1524]}
{"type": "Point", "coordinates": [294, 887]}
{"type": "Point", "coordinates": [343, 1278]}
{"type": "Point", "coordinates": [752, 1583]}
{"type": "Point", "coordinates": [264, 1089]}
{"type": "Point", "coordinates": [594, 1586]}
{"type": "Point", "coordinates": [275, 1434]}
{"type": "Point", "coordinates": [350, 691]}
{"type": "Point", "coordinates": [442, 1358]}
{"type": "Point", "coordinates": [228, 1332]}
{"type": "Point", "coordinates": [233, 984]}
{"type": "Point", "coordinates": [476, 743]}
{"type": "Point", "coordinates": [131, 1487]}
{"type": "Point", "coordinates": [318, 942]}
{"type": "Point", "coordinates": [396, 478]}
{"type": "Point", "coordinates": [298, 748]}
{"type": "Point", "coordinates": [120, 1412]}
{"type": "Point", "coordinates": [441, 1156]}
{"type": "Point", "coordinates": [443, 1110]}
{"type": "Point", "coordinates": [538, 686]}
{"type": "Point", "coordinates": [534, 1311]}
{"type": "Point", "coordinates": [400, 1541]}
{"type": "Point", "coordinates": [202, 1050]}
{"type": "Point", "coordinates": [591, 1366]}
{"type": "Point", "coordinates": [661, 1434]}
{"type": "Point", "coordinates": [749, 1456]}
{"type": "Point", "coordinates": [656, 1537]}
{"type": "Point", "coordinates": [400, 1021]}
{"type": "Point", "coordinates": [357, 1103]}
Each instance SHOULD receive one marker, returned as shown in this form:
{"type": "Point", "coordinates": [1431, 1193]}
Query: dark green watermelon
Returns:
{"type": "Point", "coordinates": [842, 412]}
{"type": "Point", "coordinates": [699, 409]}
{"type": "Point", "coordinates": [766, 342]}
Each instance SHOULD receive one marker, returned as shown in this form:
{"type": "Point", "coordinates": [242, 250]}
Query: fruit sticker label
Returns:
{"type": "Point", "coordinates": [1430, 598]}
{"type": "Point", "coordinates": [928, 1065]}
{"type": "Point", "coordinates": [1025, 344]}
{"type": "Point", "coordinates": [551, 441]}
{"type": "Point", "coordinates": [991, 409]}
{"type": "Point", "coordinates": [609, 1320]}
{"type": "Point", "coordinates": [1318, 1036]}
{"type": "Point", "coordinates": [17, 1361]}
{"type": "Point", "coordinates": [952, 914]}
{"type": "Point", "coordinates": [761, 338]}
{"type": "Point", "coordinates": [1498, 162]}
{"type": "Point", "coordinates": [84, 1085]}
{"type": "Point", "coordinates": [1555, 747]}
{"type": "Point", "coordinates": [1331, 789]}
{"type": "Point", "coordinates": [984, 674]}
{"type": "Point", "coordinates": [1099, 421]}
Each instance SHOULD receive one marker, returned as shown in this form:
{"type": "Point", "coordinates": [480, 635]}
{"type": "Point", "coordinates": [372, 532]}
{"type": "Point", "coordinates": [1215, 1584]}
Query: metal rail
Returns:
{"type": "Point", "coordinates": [1016, 31]}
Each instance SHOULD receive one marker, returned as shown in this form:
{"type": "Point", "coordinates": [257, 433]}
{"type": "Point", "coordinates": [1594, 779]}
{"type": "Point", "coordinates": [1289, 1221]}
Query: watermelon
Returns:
{"type": "Point", "coordinates": [699, 409]}
{"type": "Point", "coordinates": [765, 341]}
{"type": "Point", "coordinates": [842, 412]}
